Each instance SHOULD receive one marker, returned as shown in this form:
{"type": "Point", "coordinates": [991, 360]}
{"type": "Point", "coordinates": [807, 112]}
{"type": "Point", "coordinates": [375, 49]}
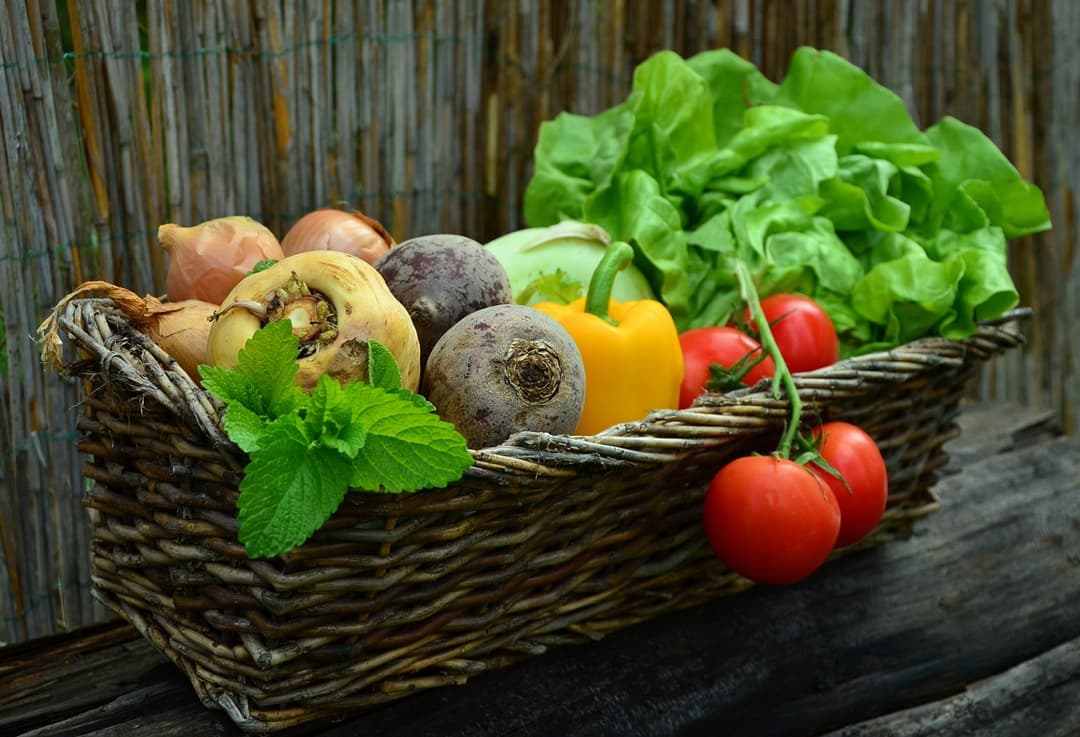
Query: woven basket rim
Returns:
{"type": "Point", "coordinates": [660, 436]}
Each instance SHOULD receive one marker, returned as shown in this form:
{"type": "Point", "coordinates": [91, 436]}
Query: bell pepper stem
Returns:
{"type": "Point", "coordinates": [617, 257]}
{"type": "Point", "coordinates": [782, 376]}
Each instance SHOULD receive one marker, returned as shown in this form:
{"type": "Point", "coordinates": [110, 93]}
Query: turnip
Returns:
{"type": "Point", "coordinates": [440, 279]}
{"type": "Point", "coordinates": [504, 369]}
{"type": "Point", "coordinates": [336, 303]}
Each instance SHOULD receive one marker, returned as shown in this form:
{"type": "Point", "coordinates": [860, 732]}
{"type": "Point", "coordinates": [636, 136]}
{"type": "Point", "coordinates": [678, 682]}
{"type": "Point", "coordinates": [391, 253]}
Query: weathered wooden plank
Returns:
{"type": "Point", "coordinates": [942, 619]}
{"type": "Point", "coordinates": [1040, 696]}
{"type": "Point", "coordinates": [107, 660]}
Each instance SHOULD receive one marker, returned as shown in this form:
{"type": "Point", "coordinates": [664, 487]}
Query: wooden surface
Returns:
{"type": "Point", "coordinates": [970, 627]}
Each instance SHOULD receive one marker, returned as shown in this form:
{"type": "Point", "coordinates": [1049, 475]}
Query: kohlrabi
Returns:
{"type": "Point", "coordinates": [556, 262]}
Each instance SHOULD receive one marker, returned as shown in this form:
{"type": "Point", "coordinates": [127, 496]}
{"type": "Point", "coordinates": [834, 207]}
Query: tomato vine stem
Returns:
{"type": "Point", "coordinates": [782, 376]}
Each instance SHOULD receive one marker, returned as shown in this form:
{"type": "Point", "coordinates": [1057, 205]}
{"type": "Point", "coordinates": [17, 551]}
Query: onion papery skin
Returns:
{"type": "Point", "coordinates": [209, 259]}
{"type": "Point", "coordinates": [183, 330]}
{"type": "Point", "coordinates": [361, 303]}
{"type": "Point", "coordinates": [331, 229]}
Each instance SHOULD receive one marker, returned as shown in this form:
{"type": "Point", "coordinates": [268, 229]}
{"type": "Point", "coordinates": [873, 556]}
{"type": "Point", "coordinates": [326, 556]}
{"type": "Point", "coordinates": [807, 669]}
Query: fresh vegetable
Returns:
{"type": "Point", "coordinates": [821, 185]}
{"type": "Point", "coordinates": [722, 350]}
{"type": "Point", "coordinates": [331, 229]}
{"type": "Point", "coordinates": [633, 361]}
{"type": "Point", "coordinates": [440, 279]}
{"type": "Point", "coordinates": [503, 369]}
{"type": "Point", "coordinates": [181, 329]}
{"type": "Point", "coordinates": [770, 519]}
{"type": "Point", "coordinates": [863, 487]}
{"type": "Point", "coordinates": [335, 303]}
{"type": "Point", "coordinates": [306, 450]}
{"type": "Point", "coordinates": [803, 330]}
{"type": "Point", "coordinates": [556, 263]}
{"type": "Point", "coordinates": [209, 259]}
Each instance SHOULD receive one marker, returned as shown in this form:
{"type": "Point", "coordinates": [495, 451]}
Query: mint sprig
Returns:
{"type": "Point", "coordinates": [307, 450]}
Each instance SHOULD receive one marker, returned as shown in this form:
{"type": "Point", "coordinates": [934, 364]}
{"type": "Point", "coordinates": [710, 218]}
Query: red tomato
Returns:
{"type": "Point", "coordinates": [856, 457]}
{"type": "Point", "coordinates": [803, 331]}
{"type": "Point", "coordinates": [770, 519]}
{"type": "Point", "coordinates": [723, 345]}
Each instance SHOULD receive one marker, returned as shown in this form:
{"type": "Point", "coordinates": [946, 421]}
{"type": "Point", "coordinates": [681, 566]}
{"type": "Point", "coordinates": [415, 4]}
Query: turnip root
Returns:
{"type": "Point", "coordinates": [441, 278]}
{"type": "Point", "coordinates": [336, 303]}
{"type": "Point", "coordinates": [503, 369]}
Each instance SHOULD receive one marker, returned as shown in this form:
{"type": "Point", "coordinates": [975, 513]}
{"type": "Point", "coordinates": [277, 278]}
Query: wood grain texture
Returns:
{"type": "Point", "coordinates": [968, 626]}
{"type": "Point", "coordinates": [1039, 696]}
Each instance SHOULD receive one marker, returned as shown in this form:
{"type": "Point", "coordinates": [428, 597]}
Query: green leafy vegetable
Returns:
{"type": "Point", "coordinates": [821, 184]}
{"type": "Point", "coordinates": [382, 368]}
{"type": "Point", "coordinates": [263, 265]}
{"type": "Point", "coordinates": [307, 451]}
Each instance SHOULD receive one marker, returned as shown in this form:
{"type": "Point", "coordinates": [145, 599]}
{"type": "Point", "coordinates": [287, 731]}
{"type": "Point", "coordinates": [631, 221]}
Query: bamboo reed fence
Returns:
{"type": "Point", "coordinates": [118, 116]}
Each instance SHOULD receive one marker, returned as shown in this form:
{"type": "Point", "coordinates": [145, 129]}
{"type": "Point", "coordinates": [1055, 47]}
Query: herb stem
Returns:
{"type": "Point", "coordinates": [782, 376]}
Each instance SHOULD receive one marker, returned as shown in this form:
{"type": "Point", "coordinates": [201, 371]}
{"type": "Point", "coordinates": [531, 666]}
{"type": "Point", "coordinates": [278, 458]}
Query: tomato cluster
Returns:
{"type": "Point", "coordinates": [770, 518]}
{"type": "Point", "coordinates": [803, 331]}
{"type": "Point", "coordinates": [776, 521]}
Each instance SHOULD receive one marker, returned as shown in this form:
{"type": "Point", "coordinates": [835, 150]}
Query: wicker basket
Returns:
{"type": "Point", "coordinates": [547, 540]}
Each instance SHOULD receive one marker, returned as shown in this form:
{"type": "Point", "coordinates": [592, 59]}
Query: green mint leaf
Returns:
{"type": "Point", "coordinates": [407, 447]}
{"type": "Point", "coordinates": [291, 486]}
{"type": "Point", "coordinates": [332, 416]}
{"type": "Point", "coordinates": [232, 387]}
{"type": "Point", "coordinates": [244, 427]}
{"type": "Point", "coordinates": [415, 399]}
{"type": "Point", "coordinates": [382, 367]}
{"type": "Point", "coordinates": [264, 378]}
{"type": "Point", "coordinates": [263, 265]}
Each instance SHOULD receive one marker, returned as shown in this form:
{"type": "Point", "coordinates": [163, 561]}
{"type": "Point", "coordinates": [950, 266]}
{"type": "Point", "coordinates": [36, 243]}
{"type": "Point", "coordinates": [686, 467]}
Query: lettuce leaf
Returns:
{"type": "Point", "coordinates": [821, 184]}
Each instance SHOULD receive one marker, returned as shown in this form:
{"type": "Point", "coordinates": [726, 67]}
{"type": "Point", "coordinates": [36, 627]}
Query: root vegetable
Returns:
{"type": "Point", "coordinates": [503, 369]}
{"type": "Point", "coordinates": [336, 304]}
{"type": "Point", "coordinates": [562, 256]}
{"type": "Point", "coordinates": [180, 328]}
{"type": "Point", "coordinates": [440, 279]}
{"type": "Point", "coordinates": [209, 259]}
{"type": "Point", "coordinates": [330, 229]}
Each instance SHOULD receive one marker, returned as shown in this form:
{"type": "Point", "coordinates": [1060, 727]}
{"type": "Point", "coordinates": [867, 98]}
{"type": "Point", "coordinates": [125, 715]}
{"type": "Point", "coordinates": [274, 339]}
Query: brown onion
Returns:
{"type": "Point", "coordinates": [182, 329]}
{"type": "Point", "coordinates": [330, 229]}
{"type": "Point", "coordinates": [209, 259]}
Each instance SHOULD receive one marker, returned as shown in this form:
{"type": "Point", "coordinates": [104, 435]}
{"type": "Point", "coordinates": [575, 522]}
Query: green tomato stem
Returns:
{"type": "Point", "coordinates": [768, 343]}
{"type": "Point", "coordinates": [617, 257]}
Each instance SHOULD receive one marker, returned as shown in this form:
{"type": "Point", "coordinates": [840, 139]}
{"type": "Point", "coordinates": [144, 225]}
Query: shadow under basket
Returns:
{"type": "Point", "coordinates": [546, 541]}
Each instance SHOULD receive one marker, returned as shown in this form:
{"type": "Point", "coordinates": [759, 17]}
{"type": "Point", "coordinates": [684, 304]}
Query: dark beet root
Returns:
{"type": "Point", "coordinates": [504, 369]}
{"type": "Point", "coordinates": [440, 279]}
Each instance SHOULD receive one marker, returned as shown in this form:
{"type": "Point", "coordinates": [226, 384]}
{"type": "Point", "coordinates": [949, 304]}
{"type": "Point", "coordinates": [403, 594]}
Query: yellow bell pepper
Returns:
{"type": "Point", "coordinates": [631, 351]}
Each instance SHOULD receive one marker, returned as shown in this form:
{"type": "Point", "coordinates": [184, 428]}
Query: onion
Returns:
{"type": "Point", "coordinates": [209, 259]}
{"type": "Point", "coordinates": [330, 229]}
{"type": "Point", "coordinates": [182, 329]}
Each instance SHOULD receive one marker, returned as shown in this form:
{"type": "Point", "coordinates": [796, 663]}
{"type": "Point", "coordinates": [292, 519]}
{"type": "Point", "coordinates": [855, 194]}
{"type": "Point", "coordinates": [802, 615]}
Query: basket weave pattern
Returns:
{"type": "Point", "coordinates": [547, 540]}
